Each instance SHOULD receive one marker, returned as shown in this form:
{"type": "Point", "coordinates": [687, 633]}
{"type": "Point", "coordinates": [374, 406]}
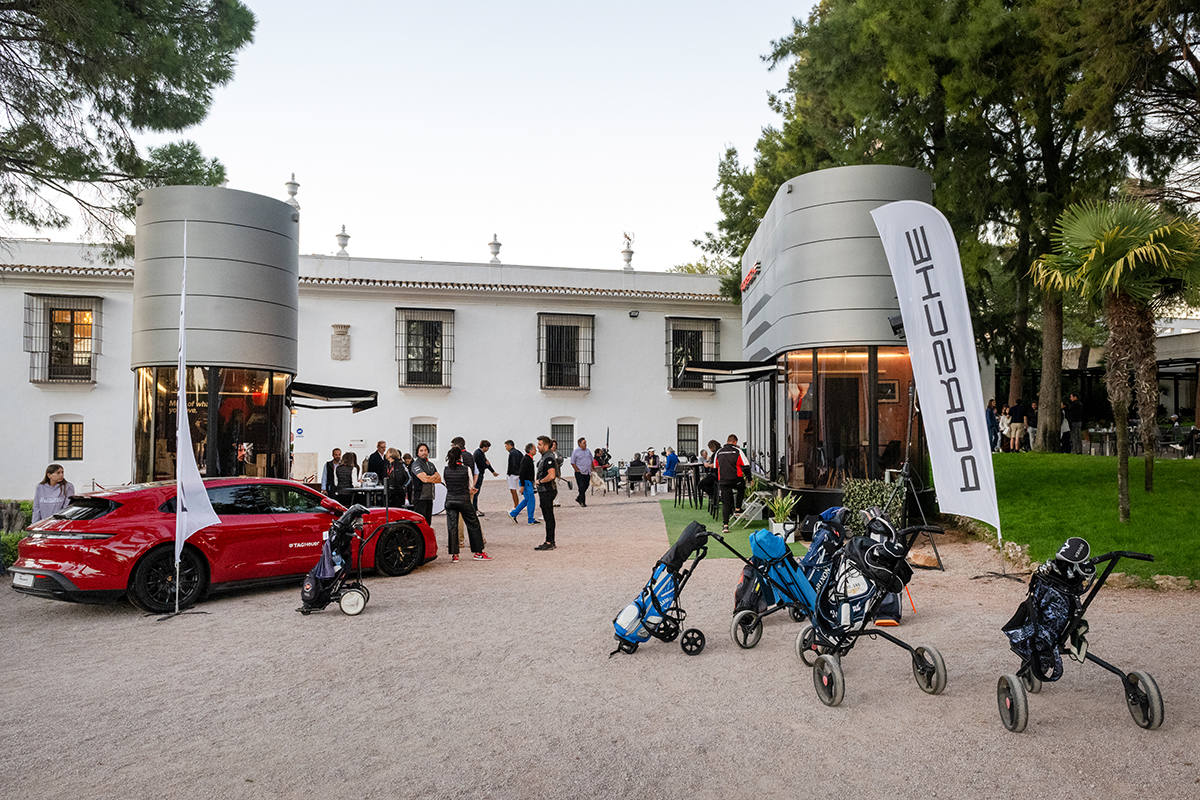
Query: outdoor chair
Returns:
{"type": "Point", "coordinates": [752, 508]}
{"type": "Point", "coordinates": [636, 474]}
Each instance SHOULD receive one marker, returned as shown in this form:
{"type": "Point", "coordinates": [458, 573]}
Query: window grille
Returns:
{"type": "Point", "coordinates": [62, 337]}
{"type": "Point", "coordinates": [564, 434]}
{"type": "Point", "coordinates": [565, 350]}
{"type": "Point", "coordinates": [424, 346]}
{"type": "Point", "coordinates": [424, 433]}
{"type": "Point", "coordinates": [691, 340]}
{"type": "Point", "coordinates": [68, 441]}
{"type": "Point", "coordinates": [687, 440]}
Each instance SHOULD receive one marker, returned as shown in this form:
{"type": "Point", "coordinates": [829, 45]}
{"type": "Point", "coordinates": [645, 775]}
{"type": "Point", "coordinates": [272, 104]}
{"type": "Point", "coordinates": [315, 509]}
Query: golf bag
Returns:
{"type": "Point", "coordinates": [656, 610]}
{"type": "Point", "coordinates": [1040, 622]}
{"type": "Point", "coordinates": [330, 571]}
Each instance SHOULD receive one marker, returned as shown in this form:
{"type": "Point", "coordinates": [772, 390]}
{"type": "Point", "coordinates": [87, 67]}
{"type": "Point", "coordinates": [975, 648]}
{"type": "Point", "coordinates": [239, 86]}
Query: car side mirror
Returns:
{"type": "Point", "coordinates": [331, 505]}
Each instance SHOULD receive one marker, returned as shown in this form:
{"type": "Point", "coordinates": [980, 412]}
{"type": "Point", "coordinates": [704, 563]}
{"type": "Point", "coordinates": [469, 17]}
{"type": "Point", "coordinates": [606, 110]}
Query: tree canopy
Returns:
{"type": "Point", "coordinates": [80, 78]}
{"type": "Point", "coordinates": [999, 101]}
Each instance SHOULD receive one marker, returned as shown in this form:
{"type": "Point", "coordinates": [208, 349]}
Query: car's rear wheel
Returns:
{"type": "Point", "coordinates": [400, 550]}
{"type": "Point", "coordinates": [152, 585]}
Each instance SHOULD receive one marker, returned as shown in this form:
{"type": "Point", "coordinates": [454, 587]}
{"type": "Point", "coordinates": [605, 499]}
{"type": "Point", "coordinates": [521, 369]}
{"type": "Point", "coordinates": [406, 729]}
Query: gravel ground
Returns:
{"type": "Point", "coordinates": [493, 680]}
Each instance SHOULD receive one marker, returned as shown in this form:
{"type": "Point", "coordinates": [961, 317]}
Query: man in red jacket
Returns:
{"type": "Point", "coordinates": [731, 476]}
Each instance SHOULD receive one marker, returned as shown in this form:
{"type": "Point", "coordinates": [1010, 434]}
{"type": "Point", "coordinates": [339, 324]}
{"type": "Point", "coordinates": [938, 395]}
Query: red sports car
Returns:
{"type": "Point", "coordinates": [108, 544]}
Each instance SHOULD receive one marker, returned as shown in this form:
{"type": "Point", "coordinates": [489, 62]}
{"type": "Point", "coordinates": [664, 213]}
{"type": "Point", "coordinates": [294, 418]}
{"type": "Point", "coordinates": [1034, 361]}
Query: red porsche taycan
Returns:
{"type": "Point", "coordinates": [106, 545]}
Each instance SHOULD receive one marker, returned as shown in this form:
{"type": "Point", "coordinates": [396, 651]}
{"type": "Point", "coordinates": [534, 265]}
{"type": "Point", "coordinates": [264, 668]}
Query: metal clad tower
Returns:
{"type": "Point", "coordinates": [243, 273]}
{"type": "Point", "coordinates": [823, 278]}
{"type": "Point", "coordinates": [242, 327]}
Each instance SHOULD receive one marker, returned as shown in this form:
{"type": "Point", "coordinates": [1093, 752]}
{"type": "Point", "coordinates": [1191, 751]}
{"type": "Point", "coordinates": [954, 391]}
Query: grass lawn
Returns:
{"type": "Point", "coordinates": [1047, 497]}
{"type": "Point", "coordinates": [676, 519]}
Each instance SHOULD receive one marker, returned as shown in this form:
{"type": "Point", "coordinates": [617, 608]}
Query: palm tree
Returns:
{"type": "Point", "coordinates": [1131, 258]}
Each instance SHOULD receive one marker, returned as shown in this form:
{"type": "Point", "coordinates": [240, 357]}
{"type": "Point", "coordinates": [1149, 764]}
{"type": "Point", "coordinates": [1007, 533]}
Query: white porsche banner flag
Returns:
{"type": "Point", "coordinates": [193, 511]}
{"type": "Point", "coordinates": [923, 256]}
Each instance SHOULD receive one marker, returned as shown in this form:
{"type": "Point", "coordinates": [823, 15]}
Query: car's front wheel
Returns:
{"type": "Point", "coordinates": [400, 550]}
{"type": "Point", "coordinates": [152, 585]}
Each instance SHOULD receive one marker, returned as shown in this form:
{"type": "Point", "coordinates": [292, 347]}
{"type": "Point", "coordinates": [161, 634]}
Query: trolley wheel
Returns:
{"type": "Point", "coordinates": [352, 602]}
{"type": "Point", "coordinates": [1013, 703]}
{"type": "Point", "coordinates": [797, 613]}
{"type": "Point", "coordinates": [667, 630]}
{"type": "Point", "coordinates": [806, 645]}
{"type": "Point", "coordinates": [1144, 700]}
{"type": "Point", "coordinates": [929, 669]}
{"type": "Point", "coordinates": [828, 680]}
{"type": "Point", "coordinates": [692, 641]}
{"type": "Point", "coordinates": [746, 628]}
{"type": "Point", "coordinates": [1032, 683]}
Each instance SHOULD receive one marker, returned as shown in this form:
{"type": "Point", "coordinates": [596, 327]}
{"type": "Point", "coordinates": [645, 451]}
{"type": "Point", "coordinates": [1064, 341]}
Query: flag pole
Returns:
{"type": "Point", "coordinates": [181, 413]}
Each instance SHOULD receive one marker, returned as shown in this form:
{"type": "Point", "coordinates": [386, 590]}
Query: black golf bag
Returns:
{"type": "Point", "coordinates": [1039, 627]}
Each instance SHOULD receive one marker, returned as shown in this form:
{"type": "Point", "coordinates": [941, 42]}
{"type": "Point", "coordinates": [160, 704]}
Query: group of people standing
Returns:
{"type": "Point", "coordinates": [1013, 428]}
{"type": "Point", "coordinates": [537, 470]}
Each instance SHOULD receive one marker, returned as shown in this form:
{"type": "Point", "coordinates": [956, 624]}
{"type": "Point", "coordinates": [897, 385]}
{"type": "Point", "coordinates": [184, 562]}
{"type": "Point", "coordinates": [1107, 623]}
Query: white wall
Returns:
{"type": "Point", "coordinates": [496, 392]}
{"type": "Point", "coordinates": [106, 407]}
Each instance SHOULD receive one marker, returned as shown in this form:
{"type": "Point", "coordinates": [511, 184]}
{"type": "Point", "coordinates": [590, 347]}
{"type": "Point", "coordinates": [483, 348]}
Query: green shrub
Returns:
{"type": "Point", "coordinates": [862, 494]}
{"type": "Point", "coordinates": [8, 541]}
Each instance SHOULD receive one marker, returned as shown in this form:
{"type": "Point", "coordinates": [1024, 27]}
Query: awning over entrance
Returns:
{"type": "Point", "coordinates": [733, 370]}
{"type": "Point", "coordinates": [333, 397]}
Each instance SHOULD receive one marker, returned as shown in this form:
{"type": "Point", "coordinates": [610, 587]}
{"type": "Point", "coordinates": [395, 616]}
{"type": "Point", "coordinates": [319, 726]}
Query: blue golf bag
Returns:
{"type": "Point", "coordinates": [656, 610]}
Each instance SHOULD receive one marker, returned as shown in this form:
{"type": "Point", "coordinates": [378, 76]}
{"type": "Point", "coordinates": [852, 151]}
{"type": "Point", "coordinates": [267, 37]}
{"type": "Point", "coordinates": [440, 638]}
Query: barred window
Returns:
{"type": "Point", "coordinates": [689, 340]}
{"type": "Point", "coordinates": [424, 433]}
{"type": "Point", "coordinates": [687, 440]}
{"type": "Point", "coordinates": [564, 434]}
{"type": "Point", "coordinates": [62, 337]}
{"type": "Point", "coordinates": [565, 350]}
{"type": "Point", "coordinates": [424, 346]}
{"type": "Point", "coordinates": [68, 441]}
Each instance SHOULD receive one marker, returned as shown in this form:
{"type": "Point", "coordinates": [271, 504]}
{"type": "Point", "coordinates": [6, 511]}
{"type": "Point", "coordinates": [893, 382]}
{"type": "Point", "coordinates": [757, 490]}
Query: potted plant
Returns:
{"type": "Point", "coordinates": [781, 507]}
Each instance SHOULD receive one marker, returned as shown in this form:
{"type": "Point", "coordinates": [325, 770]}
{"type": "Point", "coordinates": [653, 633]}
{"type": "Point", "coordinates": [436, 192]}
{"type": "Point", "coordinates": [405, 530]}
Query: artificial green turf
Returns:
{"type": "Point", "coordinates": [1047, 497]}
{"type": "Point", "coordinates": [676, 519]}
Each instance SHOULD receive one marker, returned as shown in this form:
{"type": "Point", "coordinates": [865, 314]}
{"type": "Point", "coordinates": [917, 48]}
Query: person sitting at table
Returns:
{"type": "Point", "coordinates": [670, 466]}
{"type": "Point", "coordinates": [708, 475]}
{"type": "Point", "coordinates": [347, 475]}
{"type": "Point", "coordinates": [653, 465]}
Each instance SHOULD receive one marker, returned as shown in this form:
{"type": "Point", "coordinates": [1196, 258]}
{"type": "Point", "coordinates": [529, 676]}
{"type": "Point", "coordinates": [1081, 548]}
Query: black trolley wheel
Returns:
{"type": "Point", "coordinates": [828, 679]}
{"type": "Point", "coordinates": [667, 630]}
{"type": "Point", "coordinates": [1012, 702]}
{"type": "Point", "coordinates": [746, 628]}
{"type": "Point", "coordinates": [1144, 700]}
{"type": "Point", "coordinates": [807, 647]}
{"type": "Point", "coordinates": [1031, 682]}
{"type": "Point", "coordinates": [797, 613]}
{"type": "Point", "coordinates": [929, 669]}
{"type": "Point", "coordinates": [692, 642]}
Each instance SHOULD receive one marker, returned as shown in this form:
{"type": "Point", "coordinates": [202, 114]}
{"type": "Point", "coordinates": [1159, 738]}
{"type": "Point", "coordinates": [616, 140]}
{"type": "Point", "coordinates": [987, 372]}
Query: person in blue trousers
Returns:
{"type": "Point", "coordinates": [526, 478]}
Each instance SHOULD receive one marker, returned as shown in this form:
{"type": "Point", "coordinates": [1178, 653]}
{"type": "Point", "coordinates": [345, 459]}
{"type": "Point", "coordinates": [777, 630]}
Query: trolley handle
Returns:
{"type": "Point", "coordinates": [1118, 554]}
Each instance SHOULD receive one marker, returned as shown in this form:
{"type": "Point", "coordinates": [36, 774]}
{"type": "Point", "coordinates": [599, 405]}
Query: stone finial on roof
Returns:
{"type": "Point", "coordinates": [292, 187]}
{"type": "Point", "coordinates": [494, 247]}
{"type": "Point", "coordinates": [627, 253]}
{"type": "Point", "coordinates": [343, 239]}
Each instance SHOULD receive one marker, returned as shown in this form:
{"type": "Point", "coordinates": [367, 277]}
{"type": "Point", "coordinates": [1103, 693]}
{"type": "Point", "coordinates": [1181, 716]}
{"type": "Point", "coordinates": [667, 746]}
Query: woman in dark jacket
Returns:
{"type": "Point", "coordinates": [459, 488]}
{"type": "Point", "coordinates": [347, 474]}
{"type": "Point", "coordinates": [395, 478]}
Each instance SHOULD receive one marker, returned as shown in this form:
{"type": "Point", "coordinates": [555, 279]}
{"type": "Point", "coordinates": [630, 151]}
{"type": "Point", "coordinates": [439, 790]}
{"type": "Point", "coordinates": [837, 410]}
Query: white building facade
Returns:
{"type": "Point", "coordinates": [483, 351]}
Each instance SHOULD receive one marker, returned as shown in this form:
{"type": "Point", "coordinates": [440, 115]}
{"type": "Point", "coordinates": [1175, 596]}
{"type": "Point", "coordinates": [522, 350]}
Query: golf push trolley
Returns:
{"type": "Point", "coordinates": [329, 581]}
{"type": "Point", "coordinates": [840, 590]}
{"type": "Point", "coordinates": [1050, 624]}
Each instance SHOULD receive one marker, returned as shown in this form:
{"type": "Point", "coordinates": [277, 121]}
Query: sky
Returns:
{"type": "Point", "coordinates": [425, 128]}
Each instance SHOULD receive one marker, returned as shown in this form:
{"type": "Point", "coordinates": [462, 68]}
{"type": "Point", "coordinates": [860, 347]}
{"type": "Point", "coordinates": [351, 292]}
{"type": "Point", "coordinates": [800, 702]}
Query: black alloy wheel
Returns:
{"type": "Point", "coordinates": [400, 550]}
{"type": "Point", "coordinates": [152, 585]}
